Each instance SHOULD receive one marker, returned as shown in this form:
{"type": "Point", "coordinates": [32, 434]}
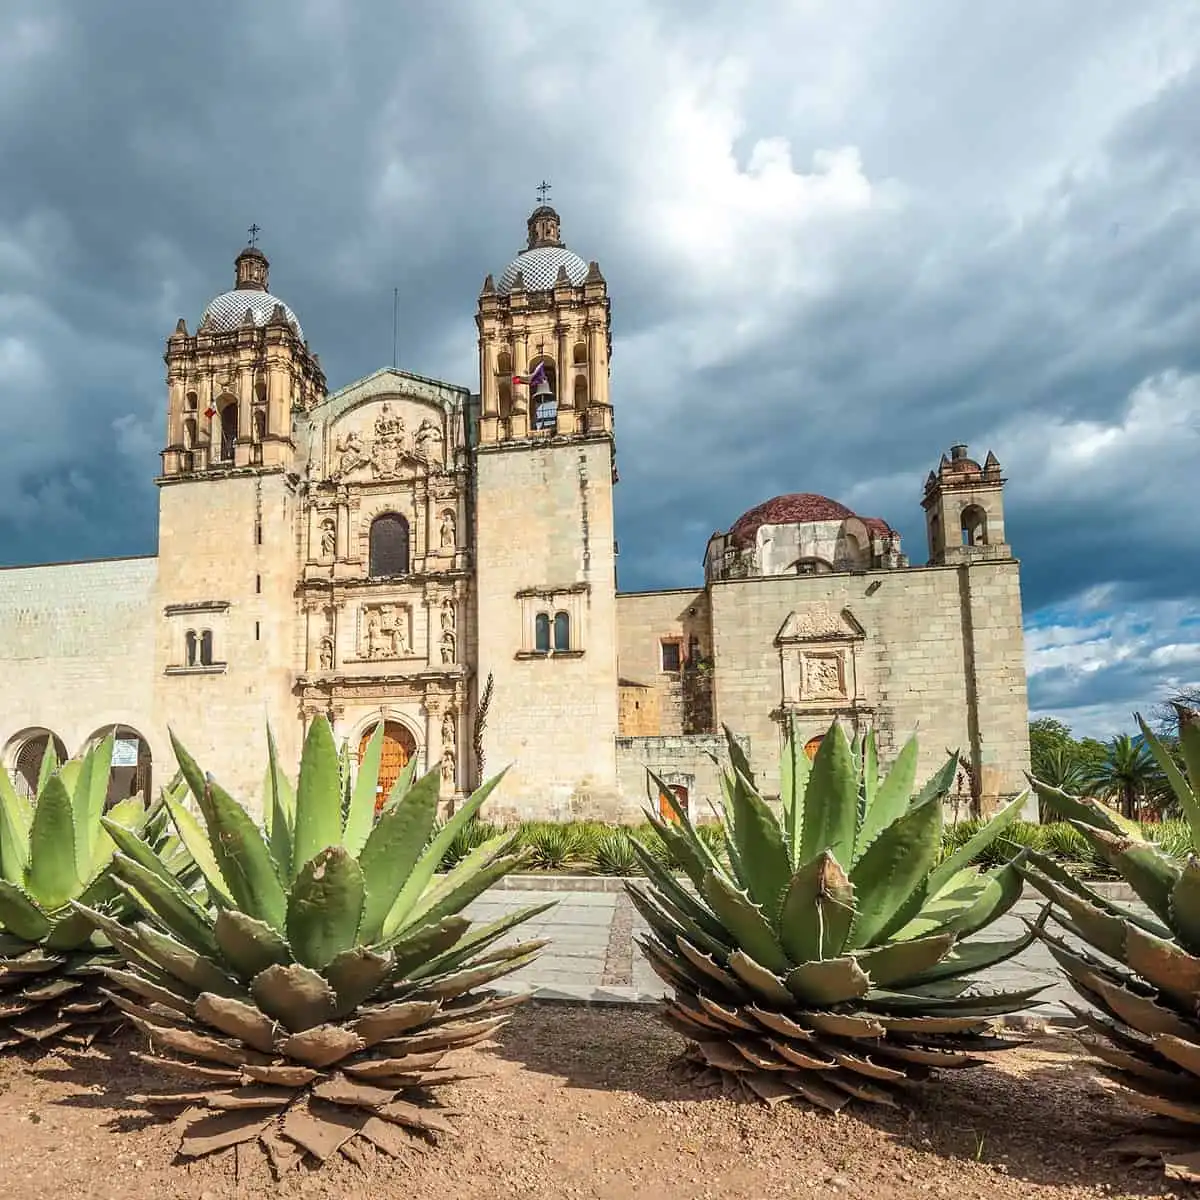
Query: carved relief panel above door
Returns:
{"type": "Point", "coordinates": [819, 657]}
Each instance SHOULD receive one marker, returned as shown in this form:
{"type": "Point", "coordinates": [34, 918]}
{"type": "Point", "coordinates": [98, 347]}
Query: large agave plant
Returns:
{"type": "Point", "coordinates": [54, 850]}
{"type": "Point", "coordinates": [832, 957]}
{"type": "Point", "coordinates": [314, 1001]}
{"type": "Point", "coordinates": [1143, 982]}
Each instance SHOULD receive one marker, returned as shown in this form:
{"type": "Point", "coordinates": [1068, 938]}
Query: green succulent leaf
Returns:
{"type": "Point", "coordinates": [831, 801]}
{"type": "Point", "coordinates": [325, 907]}
{"type": "Point", "coordinates": [357, 974]}
{"type": "Point", "coordinates": [51, 877]}
{"type": "Point", "coordinates": [362, 801]}
{"type": "Point", "coordinates": [476, 941]}
{"type": "Point", "coordinates": [794, 770]}
{"type": "Point", "coordinates": [460, 885]}
{"type": "Point", "coordinates": [429, 861]}
{"type": "Point", "coordinates": [280, 810]}
{"type": "Point", "coordinates": [745, 920]}
{"type": "Point", "coordinates": [16, 816]}
{"type": "Point", "coordinates": [685, 830]}
{"type": "Point", "coordinates": [318, 796]}
{"type": "Point", "coordinates": [249, 946]}
{"type": "Point", "coordinates": [1144, 866]}
{"type": "Point", "coordinates": [1001, 890]}
{"type": "Point", "coordinates": [169, 901]}
{"type": "Point", "coordinates": [1189, 801]}
{"type": "Point", "coordinates": [831, 981]}
{"type": "Point", "coordinates": [50, 764]}
{"type": "Point", "coordinates": [900, 962]}
{"type": "Point", "coordinates": [939, 783]}
{"type": "Point", "coordinates": [817, 910]}
{"type": "Point", "coordinates": [891, 798]}
{"type": "Point", "coordinates": [976, 844]}
{"type": "Point", "coordinates": [193, 836]}
{"type": "Point", "coordinates": [891, 870]}
{"type": "Point", "coordinates": [88, 795]}
{"type": "Point", "coordinates": [393, 848]}
{"type": "Point", "coordinates": [21, 914]}
{"type": "Point", "coordinates": [761, 849]}
{"type": "Point", "coordinates": [1086, 811]}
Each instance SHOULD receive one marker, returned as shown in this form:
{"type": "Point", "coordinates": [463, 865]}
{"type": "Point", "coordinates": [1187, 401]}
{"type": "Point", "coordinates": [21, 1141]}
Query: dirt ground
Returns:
{"type": "Point", "coordinates": [589, 1104]}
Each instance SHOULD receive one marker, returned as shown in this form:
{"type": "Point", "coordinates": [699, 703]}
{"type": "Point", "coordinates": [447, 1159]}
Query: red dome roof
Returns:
{"type": "Point", "coordinates": [798, 508]}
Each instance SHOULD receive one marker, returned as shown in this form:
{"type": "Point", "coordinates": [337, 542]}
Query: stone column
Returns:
{"type": "Point", "coordinates": [434, 709]}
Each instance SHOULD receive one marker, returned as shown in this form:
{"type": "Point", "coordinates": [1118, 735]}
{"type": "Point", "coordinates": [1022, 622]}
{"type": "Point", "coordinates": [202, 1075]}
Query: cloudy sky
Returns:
{"type": "Point", "coordinates": [840, 235]}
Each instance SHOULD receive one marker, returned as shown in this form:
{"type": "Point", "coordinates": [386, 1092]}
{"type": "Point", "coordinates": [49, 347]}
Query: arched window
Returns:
{"type": "Point", "coordinates": [504, 364]}
{"type": "Point", "coordinates": [229, 430]}
{"type": "Point", "coordinates": [189, 433]}
{"type": "Point", "coordinates": [260, 390]}
{"type": "Point", "coordinates": [544, 407]}
{"type": "Point", "coordinates": [579, 354]}
{"type": "Point", "coordinates": [505, 397]}
{"type": "Point", "coordinates": [974, 526]}
{"type": "Point", "coordinates": [189, 643]}
{"type": "Point", "coordinates": [192, 402]}
{"type": "Point", "coordinates": [541, 633]}
{"type": "Point", "coordinates": [206, 648]}
{"type": "Point", "coordinates": [813, 745]}
{"type": "Point", "coordinates": [581, 391]}
{"type": "Point", "coordinates": [388, 552]}
{"type": "Point", "coordinates": [260, 423]}
{"type": "Point", "coordinates": [562, 631]}
{"type": "Point", "coordinates": [812, 566]}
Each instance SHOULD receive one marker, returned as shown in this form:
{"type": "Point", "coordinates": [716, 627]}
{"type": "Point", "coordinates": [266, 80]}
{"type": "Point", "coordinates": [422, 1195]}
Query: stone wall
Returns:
{"type": "Point", "coordinates": [645, 620]}
{"type": "Point", "coordinates": [935, 650]}
{"type": "Point", "coordinates": [678, 760]}
{"type": "Point", "coordinates": [544, 522]}
{"type": "Point", "coordinates": [78, 654]}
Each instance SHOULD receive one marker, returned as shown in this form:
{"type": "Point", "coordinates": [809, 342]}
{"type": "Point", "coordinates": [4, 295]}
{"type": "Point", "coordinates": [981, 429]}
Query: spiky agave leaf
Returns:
{"type": "Point", "coordinates": [55, 849]}
{"type": "Point", "coordinates": [832, 961]}
{"type": "Point", "coordinates": [1139, 974]}
{"type": "Point", "coordinates": [313, 1000]}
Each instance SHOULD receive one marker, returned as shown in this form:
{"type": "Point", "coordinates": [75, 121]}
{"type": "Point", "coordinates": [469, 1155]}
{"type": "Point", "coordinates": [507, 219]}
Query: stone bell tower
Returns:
{"type": "Point", "coordinates": [227, 557]}
{"type": "Point", "coordinates": [964, 510]}
{"type": "Point", "coordinates": [545, 563]}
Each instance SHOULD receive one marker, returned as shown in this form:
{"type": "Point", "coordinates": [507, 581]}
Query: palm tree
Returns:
{"type": "Point", "coordinates": [1059, 766]}
{"type": "Point", "coordinates": [1127, 773]}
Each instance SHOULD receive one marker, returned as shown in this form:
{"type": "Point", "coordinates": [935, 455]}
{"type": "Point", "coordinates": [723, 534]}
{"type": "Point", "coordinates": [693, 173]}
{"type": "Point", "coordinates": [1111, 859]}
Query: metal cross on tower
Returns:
{"type": "Point", "coordinates": [543, 191]}
{"type": "Point", "coordinates": [253, 231]}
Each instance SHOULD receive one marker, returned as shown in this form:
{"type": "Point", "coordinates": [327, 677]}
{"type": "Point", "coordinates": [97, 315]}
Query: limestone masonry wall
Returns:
{"type": "Point", "coordinates": [78, 652]}
{"type": "Point", "coordinates": [940, 653]}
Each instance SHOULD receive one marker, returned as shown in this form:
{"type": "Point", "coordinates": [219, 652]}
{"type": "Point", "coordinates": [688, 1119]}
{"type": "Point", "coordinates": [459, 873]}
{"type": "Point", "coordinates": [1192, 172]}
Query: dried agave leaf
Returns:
{"type": "Point", "coordinates": [341, 1090]}
{"type": "Point", "coordinates": [282, 1074]}
{"type": "Point", "coordinates": [294, 995]}
{"type": "Point", "coordinates": [238, 1019]}
{"type": "Point", "coordinates": [322, 1046]}
{"type": "Point", "coordinates": [322, 1129]}
{"type": "Point", "coordinates": [384, 1023]}
{"type": "Point", "coordinates": [221, 1130]}
{"type": "Point", "coordinates": [416, 1117]}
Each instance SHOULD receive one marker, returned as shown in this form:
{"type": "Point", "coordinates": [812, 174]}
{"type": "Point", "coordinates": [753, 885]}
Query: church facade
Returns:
{"type": "Point", "coordinates": [444, 561]}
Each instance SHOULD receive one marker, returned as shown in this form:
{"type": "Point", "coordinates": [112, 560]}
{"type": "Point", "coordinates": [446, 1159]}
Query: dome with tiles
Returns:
{"type": "Point", "coordinates": [544, 256]}
{"type": "Point", "coordinates": [797, 508]}
{"type": "Point", "coordinates": [227, 312]}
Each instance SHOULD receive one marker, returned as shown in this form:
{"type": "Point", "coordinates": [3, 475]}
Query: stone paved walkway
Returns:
{"type": "Point", "coordinates": [592, 955]}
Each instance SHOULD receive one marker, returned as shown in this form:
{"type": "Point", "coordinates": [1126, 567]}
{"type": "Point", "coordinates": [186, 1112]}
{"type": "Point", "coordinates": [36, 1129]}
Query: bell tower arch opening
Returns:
{"type": "Point", "coordinates": [964, 509]}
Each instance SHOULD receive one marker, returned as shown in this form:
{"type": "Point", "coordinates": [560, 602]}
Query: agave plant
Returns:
{"type": "Point", "coordinates": [832, 958]}
{"type": "Point", "coordinates": [314, 1002]}
{"type": "Point", "coordinates": [1144, 979]}
{"type": "Point", "coordinates": [54, 850]}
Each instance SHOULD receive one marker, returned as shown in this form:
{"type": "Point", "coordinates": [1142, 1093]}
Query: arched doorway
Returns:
{"type": "Point", "coordinates": [131, 764]}
{"type": "Point", "coordinates": [813, 745]}
{"type": "Point", "coordinates": [680, 793]}
{"type": "Point", "coordinates": [28, 761]}
{"type": "Point", "coordinates": [399, 746]}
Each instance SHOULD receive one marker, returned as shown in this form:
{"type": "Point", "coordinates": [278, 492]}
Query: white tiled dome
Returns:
{"type": "Point", "coordinates": [539, 269]}
{"type": "Point", "coordinates": [228, 310]}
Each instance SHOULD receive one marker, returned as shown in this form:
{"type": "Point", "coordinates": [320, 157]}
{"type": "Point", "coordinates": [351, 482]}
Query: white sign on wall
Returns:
{"type": "Point", "coordinates": [125, 753]}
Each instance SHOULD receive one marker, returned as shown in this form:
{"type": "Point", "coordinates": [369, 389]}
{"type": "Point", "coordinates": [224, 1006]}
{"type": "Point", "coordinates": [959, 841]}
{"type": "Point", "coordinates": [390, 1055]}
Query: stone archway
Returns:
{"type": "Point", "coordinates": [399, 746]}
{"type": "Point", "coordinates": [132, 763]}
{"type": "Point", "coordinates": [27, 761]}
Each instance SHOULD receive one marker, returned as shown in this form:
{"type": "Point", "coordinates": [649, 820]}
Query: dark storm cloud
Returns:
{"type": "Point", "coordinates": [837, 241]}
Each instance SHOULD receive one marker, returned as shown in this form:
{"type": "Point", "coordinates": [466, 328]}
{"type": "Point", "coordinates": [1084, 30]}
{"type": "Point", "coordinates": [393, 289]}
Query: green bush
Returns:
{"type": "Point", "coordinates": [613, 854]}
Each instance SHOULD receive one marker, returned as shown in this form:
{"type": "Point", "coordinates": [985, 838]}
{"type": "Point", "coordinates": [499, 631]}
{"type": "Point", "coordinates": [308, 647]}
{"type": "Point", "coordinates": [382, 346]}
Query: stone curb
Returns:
{"type": "Point", "coordinates": [548, 882]}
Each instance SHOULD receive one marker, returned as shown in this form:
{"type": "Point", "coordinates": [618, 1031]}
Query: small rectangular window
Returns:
{"type": "Point", "coordinates": [256, 630]}
{"type": "Point", "coordinates": [670, 656]}
{"type": "Point", "coordinates": [258, 583]}
{"type": "Point", "coordinates": [258, 533]}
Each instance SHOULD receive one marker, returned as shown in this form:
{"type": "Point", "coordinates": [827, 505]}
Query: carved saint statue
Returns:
{"type": "Point", "coordinates": [376, 641]}
{"type": "Point", "coordinates": [350, 452]}
{"type": "Point", "coordinates": [328, 538]}
{"type": "Point", "coordinates": [448, 764]}
{"type": "Point", "coordinates": [326, 654]}
{"type": "Point", "coordinates": [400, 634]}
{"type": "Point", "coordinates": [448, 735]}
{"type": "Point", "coordinates": [429, 442]}
{"type": "Point", "coordinates": [449, 540]}
{"type": "Point", "coordinates": [448, 614]}
{"type": "Point", "coordinates": [447, 648]}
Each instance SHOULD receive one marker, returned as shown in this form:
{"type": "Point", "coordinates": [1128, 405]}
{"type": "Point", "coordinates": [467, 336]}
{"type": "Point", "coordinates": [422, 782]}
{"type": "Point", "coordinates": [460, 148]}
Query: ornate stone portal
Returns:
{"type": "Point", "coordinates": [817, 656]}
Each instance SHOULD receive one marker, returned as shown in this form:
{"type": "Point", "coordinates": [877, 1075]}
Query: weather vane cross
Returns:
{"type": "Point", "coordinates": [543, 191]}
{"type": "Point", "coordinates": [253, 231]}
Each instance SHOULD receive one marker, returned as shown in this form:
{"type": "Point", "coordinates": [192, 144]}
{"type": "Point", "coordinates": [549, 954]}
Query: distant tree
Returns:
{"type": "Point", "coordinates": [1164, 717]}
{"type": "Point", "coordinates": [1048, 737]}
{"type": "Point", "coordinates": [1128, 775]}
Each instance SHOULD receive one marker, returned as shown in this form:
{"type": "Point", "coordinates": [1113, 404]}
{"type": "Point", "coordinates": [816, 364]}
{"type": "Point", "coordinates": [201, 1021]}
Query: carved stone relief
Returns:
{"type": "Point", "coordinates": [449, 536]}
{"type": "Point", "coordinates": [447, 648]}
{"type": "Point", "coordinates": [823, 676]}
{"type": "Point", "coordinates": [449, 734]}
{"type": "Point", "coordinates": [429, 443]}
{"type": "Point", "coordinates": [326, 654]}
{"type": "Point", "coordinates": [448, 765]}
{"type": "Point", "coordinates": [449, 615]}
{"type": "Point", "coordinates": [386, 631]}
